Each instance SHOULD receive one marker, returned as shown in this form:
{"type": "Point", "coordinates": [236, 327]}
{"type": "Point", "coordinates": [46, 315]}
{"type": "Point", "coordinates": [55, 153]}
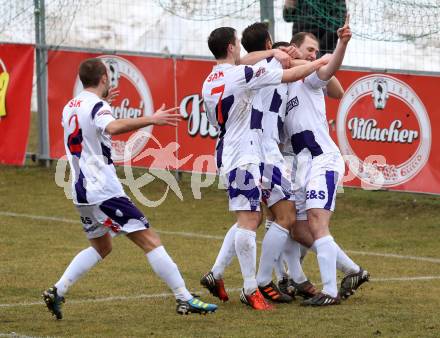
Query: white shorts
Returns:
{"type": "Point", "coordinates": [316, 181]}
{"type": "Point", "coordinates": [118, 215]}
{"type": "Point", "coordinates": [244, 188]}
{"type": "Point", "coordinates": [276, 184]}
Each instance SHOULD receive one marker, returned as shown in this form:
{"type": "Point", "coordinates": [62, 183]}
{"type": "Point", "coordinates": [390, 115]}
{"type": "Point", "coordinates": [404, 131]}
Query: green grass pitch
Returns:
{"type": "Point", "coordinates": [393, 235]}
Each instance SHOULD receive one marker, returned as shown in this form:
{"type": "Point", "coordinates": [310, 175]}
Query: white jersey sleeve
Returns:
{"type": "Point", "coordinates": [314, 82]}
{"type": "Point", "coordinates": [102, 116]}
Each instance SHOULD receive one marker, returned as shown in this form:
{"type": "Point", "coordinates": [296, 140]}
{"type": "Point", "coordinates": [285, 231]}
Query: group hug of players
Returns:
{"type": "Point", "coordinates": [270, 100]}
{"type": "Point", "coordinates": [274, 149]}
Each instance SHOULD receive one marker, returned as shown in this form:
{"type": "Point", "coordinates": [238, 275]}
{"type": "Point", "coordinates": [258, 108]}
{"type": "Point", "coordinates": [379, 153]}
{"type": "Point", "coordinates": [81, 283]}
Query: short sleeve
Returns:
{"type": "Point", "coordinates": [102, 115]}
{"type": "Point", "coordinates": [259, 76]}
{"type": "Point", "coordinates": [315, 82]}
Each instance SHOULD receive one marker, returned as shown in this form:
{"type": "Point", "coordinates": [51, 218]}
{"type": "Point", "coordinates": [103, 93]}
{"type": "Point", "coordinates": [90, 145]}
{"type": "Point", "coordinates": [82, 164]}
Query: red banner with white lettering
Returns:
{"type": "Point", "coordinates": [388, 129]}
{"type": "Point", "coordinates": [197, 137]}
{"type": "Point", "coordinates": [145, 83]}
{"type": "Point", "coordinates": [16, 71]}
{"type": "Point", "coordinates": [385, 125]}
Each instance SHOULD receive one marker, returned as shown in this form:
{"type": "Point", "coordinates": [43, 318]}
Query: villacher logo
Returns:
{"type": "Point", "coordinates": [381, 115]}
{"type": "Point", "coordinates": [134, 101]}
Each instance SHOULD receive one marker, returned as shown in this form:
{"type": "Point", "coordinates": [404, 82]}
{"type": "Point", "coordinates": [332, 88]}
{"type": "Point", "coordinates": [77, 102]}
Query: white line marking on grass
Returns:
{"type": "Point", "coordinates": [44, 218]}
{"type": "Point", "coordinates": [198, 235]}
{"type": "Point", "coordinates": [390, 255]}
{"type": "Point", "coordinates": [405, 279]}
{"type": "Point", "coordinates": [167, 294]}
{"type": "Point", "coordinates": [16, 335]}
{"type": "Point", "coordinates": [190, 234]}
{"type": "Point", "coordinates": [96, 300]}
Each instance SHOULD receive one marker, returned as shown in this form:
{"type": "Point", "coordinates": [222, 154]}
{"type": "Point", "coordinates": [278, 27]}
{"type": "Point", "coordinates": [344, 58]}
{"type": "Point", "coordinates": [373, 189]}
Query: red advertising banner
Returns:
{"type": "Point", "coordinates": [144, 84]}
{"type": "Point", "coordinates": [385, 125]}
{"type": "Point", "coordinates": [16, 72]}
{"type": "Point", "coordinates": [197, 138]}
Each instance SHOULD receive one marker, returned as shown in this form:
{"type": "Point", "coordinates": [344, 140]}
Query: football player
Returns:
{"type": "Point", "coordinates": [319, 169]}
{"type": "Point", "coordinates": [229, 92]}
{"type": "Point", "coordinates": [98, 195]}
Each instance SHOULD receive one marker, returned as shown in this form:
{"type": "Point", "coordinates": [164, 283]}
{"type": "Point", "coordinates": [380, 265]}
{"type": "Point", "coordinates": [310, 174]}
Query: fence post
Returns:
{"type": "Point", "coordinates": [266, 14]}
{"type": "Point", "coordinates": [41, 74]}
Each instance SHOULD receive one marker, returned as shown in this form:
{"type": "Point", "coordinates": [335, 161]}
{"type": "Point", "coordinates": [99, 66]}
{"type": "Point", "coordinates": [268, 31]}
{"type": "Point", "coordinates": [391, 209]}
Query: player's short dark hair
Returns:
{"type": "Point", "coordinates": [91, 71]}
{"type": "Point", "coordinates": [279, 44]}
{"type": "Point", "coordinates": [219, 40]}
{"type": "Point", "coordinates": [255, 36]}
{"type": "Point", "coordinates": [299, 38]}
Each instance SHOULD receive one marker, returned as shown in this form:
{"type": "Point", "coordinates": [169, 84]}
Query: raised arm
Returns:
{"type": "Point", "coordinates": [161, 117]}
{"type": "Point", "coordinates": [288, 10]}
{"type": "Point", "coordinates": [334, 89]}
{"type": "Point", "coordinates": [344, 34]}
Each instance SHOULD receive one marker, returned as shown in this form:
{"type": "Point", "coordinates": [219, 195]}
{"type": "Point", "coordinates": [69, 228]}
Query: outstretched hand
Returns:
{"type": "Point", "coordinates": [166, 117]}
{"type": "Point", "coordinates": [344, 33]}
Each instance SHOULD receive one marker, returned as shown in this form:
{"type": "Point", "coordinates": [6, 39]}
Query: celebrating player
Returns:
{"type": "Point", "coordinates": [228, 93]}
{"type": "Point", "coordinates": [319, 168]}
{"type": "Point", "coordinates": [277, 189]}
{"type": "Point", "coordinates": [98, 195]}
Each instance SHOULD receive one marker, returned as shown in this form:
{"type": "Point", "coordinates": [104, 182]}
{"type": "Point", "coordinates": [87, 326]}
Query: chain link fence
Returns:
{"type": "Point", "coordinates": [388, 34]}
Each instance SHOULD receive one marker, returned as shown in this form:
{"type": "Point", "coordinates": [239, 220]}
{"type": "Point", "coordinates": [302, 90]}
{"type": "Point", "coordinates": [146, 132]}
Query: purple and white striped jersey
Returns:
{"type": "Point", "coordinates": [273, 100]}
{"type": "Point", "coordinates": [88, 149]}
{"type": "Point", "coordinates": [305, 127]}
{"type": "Point", "coordinates": [228, 94]}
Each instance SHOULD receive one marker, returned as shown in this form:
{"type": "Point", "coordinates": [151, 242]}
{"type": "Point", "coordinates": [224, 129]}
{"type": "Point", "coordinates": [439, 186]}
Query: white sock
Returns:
{"type": "Point", "coordinates": [226, 253]}
{"type": "Point", "coordinates": [304, 251]}
{"type": "Point", "coordinates": [326, 253]}
{"type": "Point", "coordinates": [79, 265]}
{"type": "Point", "coordinates": [279, 268]}
{"type": "Point", "coordinates": [167, 270]}
{"type": "Point", "coordinates": [246, 249]}
{"type": "Point", "coordinates": [273, 244]}
{"type": "Point", "coordinates": [344, 263]}
{"type": "Point", "coordinates": [292, 251]}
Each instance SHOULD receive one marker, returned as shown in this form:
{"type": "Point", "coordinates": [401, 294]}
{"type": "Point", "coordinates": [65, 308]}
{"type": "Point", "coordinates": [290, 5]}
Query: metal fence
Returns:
{"type": "Point", "coordinates": [388, 34]}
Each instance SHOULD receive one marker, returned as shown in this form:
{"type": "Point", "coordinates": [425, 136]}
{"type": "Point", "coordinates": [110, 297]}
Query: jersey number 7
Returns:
{"type": "Point", "coordinates": [219, 90]}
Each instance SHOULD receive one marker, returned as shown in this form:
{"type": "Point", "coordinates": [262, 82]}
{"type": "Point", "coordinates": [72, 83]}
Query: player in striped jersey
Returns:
{"type": "Point", "coordinates": [98, 195]}
{"type": "Point", "coordinates": [229, 95]}
{"type": "Point", "coordinates": [319, 168]}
